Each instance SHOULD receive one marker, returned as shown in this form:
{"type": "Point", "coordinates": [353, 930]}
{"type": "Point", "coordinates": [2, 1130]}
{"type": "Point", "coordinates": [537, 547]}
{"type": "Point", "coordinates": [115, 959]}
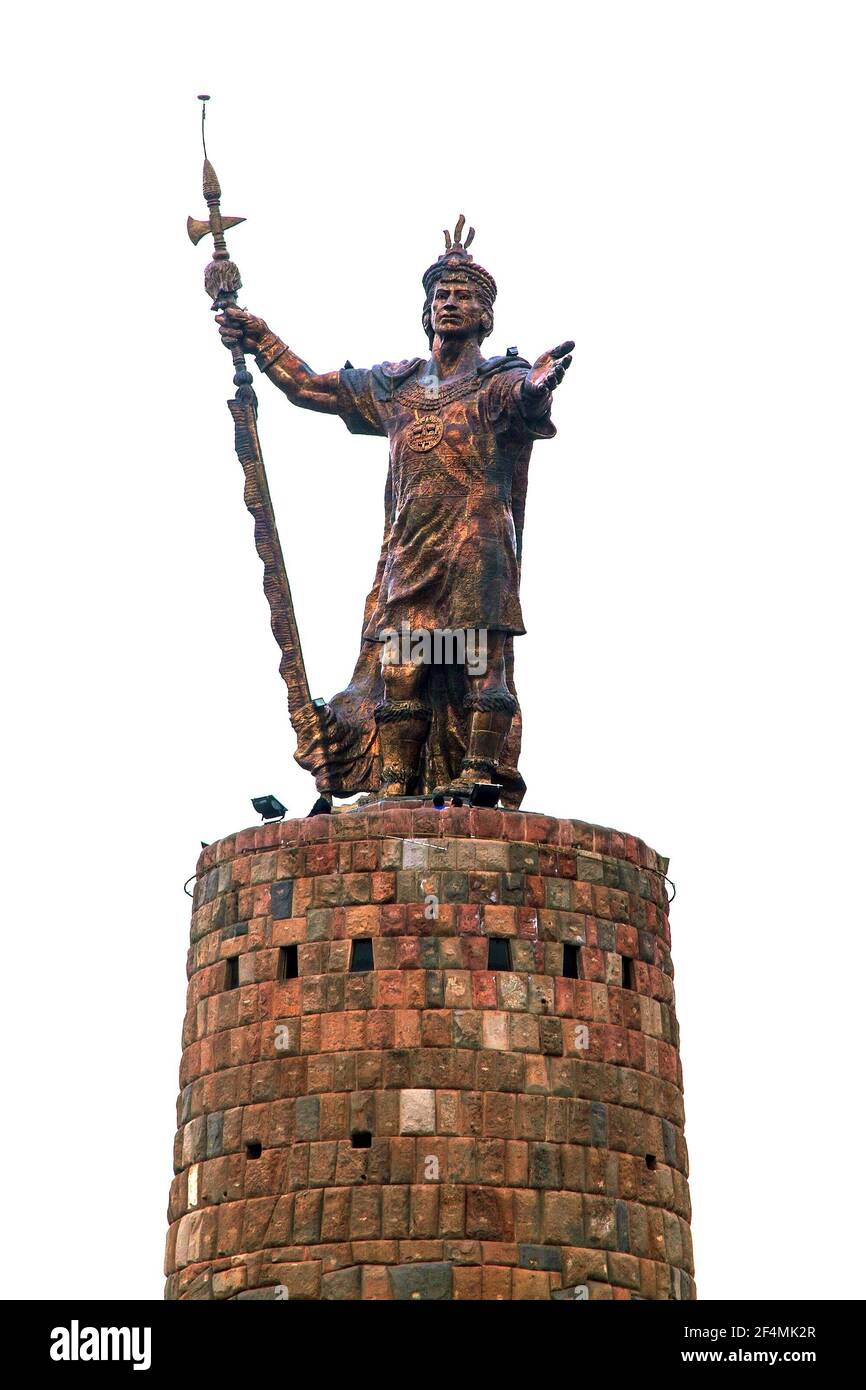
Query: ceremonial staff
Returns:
{"type": "Point", "coordinates": [222, 281]}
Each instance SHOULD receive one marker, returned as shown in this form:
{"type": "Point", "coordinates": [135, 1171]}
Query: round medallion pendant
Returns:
{"type": "Point", "coordinates": [425, 433]}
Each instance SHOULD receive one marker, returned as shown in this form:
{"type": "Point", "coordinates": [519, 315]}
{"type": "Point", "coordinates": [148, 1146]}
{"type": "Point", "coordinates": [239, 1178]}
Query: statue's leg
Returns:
{"type": "Point", "coordinates": [492, 706]}
{"type": "Point", "coordinates": [403, 719]}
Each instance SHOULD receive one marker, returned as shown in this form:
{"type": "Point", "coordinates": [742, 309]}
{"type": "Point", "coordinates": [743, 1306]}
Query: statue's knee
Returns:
{"type": "Point", "coordinates": [402, 682]}
{"type": "Point", "coordinates": [493, 677]}
{"type": "Point", "coordinates": [488, 693]}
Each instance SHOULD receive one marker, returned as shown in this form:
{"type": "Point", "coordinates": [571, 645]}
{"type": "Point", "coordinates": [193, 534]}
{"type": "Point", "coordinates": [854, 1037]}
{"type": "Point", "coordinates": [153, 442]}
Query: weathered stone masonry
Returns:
{"type": "Point", "coordinates": [430, 1128]}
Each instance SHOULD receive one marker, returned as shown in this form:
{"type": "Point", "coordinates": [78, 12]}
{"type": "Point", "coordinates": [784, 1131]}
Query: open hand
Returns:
{"type": "Point", "coordinates": [548, 371]}
{"type": "Point", "coordinates": [237, 326]}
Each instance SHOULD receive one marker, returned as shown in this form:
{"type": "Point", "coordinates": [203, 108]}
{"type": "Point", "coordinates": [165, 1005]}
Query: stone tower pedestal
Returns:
{"type": "Point", "coordinates": [430, 1055]}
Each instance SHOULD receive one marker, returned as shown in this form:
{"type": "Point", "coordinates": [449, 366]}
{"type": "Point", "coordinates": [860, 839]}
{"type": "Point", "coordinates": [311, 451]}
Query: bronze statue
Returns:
{"type": "Point", "coordinates": [413, 720]}
{"type": "Point", "coordinates": [461, 429]}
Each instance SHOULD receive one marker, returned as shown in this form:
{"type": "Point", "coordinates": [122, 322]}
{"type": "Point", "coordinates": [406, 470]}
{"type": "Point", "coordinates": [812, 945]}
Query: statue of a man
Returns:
{"type": "Point", "coordinates": [461, 429]}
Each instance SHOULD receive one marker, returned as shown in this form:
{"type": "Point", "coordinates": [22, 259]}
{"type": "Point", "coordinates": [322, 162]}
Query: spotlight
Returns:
{"type": "Point", "coordinates": [485, 794]}
{"type": "Point", "coordinates": [438, 801]}
{"type": "Point", "coordinates": [268, 807]}
{"type": "Point", "coordinates": [321, 807]}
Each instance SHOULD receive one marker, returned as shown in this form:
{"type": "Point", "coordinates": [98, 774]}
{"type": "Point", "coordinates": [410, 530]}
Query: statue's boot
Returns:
{"type": "Point", "coordinates": [492, 712]}
{"type": "Point", "coordinates": [402, 726]}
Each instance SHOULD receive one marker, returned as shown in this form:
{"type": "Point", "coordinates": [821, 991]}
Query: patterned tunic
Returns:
{"type": "Point", "coordinates": [458, 458]}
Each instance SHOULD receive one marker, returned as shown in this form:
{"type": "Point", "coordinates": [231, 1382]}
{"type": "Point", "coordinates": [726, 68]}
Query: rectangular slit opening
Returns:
{"type": "Point", "coordinates": [362, 954]}
{"type": "Point", "coordinates": [498, 953]}
{"type": "Point", "coordinates": [233, 972]}
{"type": "Point", "coordinates": [362, 1139]}
{"type": "Point", "coordinates": [254, 1149]}
{"type": "Point", "coordinates": [571, 961]}
{"type": "Point", "coordinates": [628, 973]}
{"type": "Point", "coordinates": [287, 965]}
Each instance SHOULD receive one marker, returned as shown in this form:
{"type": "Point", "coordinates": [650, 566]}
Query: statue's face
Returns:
{"type": "Point", "coordinates": [456, 309]}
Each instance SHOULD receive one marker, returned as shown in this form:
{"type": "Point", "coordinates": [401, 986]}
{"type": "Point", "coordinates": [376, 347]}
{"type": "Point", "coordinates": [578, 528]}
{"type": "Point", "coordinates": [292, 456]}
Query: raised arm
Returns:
{"type": "Point", "coordinates": [299, 382]}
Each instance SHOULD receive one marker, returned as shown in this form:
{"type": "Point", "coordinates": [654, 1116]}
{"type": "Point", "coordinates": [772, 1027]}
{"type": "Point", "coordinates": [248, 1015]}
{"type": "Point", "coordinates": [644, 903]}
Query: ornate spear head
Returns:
{"type": "Point", "coordinates": [222, 279]}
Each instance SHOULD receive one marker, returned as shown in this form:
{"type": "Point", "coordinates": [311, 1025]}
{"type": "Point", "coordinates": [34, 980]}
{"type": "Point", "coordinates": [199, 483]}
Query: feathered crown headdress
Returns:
{"type": "Point", "coordinates": [455, 262]}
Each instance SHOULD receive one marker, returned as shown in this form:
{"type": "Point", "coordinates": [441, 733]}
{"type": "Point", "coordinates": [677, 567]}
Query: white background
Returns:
{"type": "Point", "coordinates": [679, 187]}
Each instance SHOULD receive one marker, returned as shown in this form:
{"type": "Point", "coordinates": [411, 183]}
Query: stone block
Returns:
{"type": "Point", "coordinates": [421, 1282]}
{"type": "Point", "coordinates": [417, 1111]}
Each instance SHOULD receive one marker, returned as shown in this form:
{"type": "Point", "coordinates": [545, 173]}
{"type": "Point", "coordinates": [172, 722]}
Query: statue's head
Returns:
{"type": "Point", "coordinates": [460, 293]}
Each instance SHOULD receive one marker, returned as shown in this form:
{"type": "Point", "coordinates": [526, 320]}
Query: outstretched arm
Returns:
{"type": "Point", "coordinates": [300, 383]}
{"type": "Point", "coordinates": [546, 374]}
